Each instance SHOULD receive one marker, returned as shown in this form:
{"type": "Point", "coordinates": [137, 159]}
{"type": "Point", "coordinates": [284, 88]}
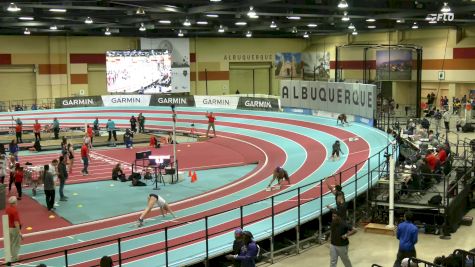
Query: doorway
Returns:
{"type": "Point", "coordinates": [250, 77]}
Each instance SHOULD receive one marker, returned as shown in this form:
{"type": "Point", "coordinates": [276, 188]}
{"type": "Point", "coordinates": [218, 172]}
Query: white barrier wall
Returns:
{"type": "Point", "coordinates": [349, 98]}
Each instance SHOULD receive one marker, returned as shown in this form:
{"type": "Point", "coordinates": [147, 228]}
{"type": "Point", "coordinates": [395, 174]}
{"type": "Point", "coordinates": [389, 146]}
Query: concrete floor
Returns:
{"type": "Point", "coordinates": [366, 249]}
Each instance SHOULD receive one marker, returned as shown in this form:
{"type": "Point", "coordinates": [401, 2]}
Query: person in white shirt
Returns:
{"type": "Point", "coordinates": [3, 168]}
{"type": "Point", "coordinates": [446, 117]}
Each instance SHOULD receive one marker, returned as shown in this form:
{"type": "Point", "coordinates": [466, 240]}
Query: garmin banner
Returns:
{"type": "Point", "coordinates": [126, 100]}
{"type": "Point", "coordinates": [230, 102]}
{"type": "Point", "coordinates": [79, 101]}
{"type": "Point", "coordinates": [179, 101]}
{"type": "Point", "coordinates": [349, 98]}
{"type": "Point", "coordinates": [255, 103]}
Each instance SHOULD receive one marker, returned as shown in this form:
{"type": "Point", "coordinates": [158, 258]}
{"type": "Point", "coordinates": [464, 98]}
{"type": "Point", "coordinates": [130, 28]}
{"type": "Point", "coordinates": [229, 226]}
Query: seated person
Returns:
{"type": "Point", "coordinates": [342, 118]}
{"type": "Point", "coordinates": [147, 174]}
{"type": "Point", "coordinates": [279, 174]}
{"type": "Point", "coordinates": [154, 142]}
{"type": "Point", "coordinates": [128, 138]}
{"type": "Point", "coordinates": [136, 181]}
{"type": "Point", "coordinates": [118, 173]}
{"type": "Point", "coordinates": [431, 160]}
{"type": "Point", "coordinates": [410, 128]}
{"type": "Point", "coordinates": [36, 146]}
{"type": "Point", "coordinates": [425, 123]}
{"type": "Point", "coordinates": [441, 154]}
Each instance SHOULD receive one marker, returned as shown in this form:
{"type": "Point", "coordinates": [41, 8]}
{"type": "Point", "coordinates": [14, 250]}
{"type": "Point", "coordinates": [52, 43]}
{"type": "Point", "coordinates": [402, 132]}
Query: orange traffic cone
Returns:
{"type": "Point", "coordinates": [189, 173]}
{"type": "Point", "coordinates": [194, 178]}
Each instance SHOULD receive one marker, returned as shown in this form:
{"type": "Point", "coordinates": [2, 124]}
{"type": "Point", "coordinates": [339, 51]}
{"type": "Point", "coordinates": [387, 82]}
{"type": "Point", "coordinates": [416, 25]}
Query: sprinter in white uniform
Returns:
{"type": "Point", "coordinates": [161, 203]}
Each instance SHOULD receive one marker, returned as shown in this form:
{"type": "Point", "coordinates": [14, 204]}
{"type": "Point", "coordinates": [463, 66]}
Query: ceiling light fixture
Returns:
{"type": "Point", "coordinates": [342, 4]}
{"type": "Point", "coordinates": [26, 18]}
{"type": "Point", "coordinates": [445, 8]}
{"type": "Point", "coordinates": [53, 27]}
{"type": "Point", "coordinates": [58, 10]}
{"type": "Point", "coordinates": [180, 33]}
{"type": "Point", "coordinates": [294, 30]}
{"type": "Point", "coordinates": [202, 22]}
{"type": "Point", "coordinates": [241, 23]}
{"type": "Point", "coordinates": [221, 29]}
{"type": "Point", "coordinates": [142, 27]}
{"type": "Point", "coordinates": [371, 27]}
{"type": "Point", "coordinates": [312, 25]}
{"type": "Point", "coordinates": [248, 34]}
{"type": "Point", "coordinates": [12, 7]}
{"type": "Point", "coordinates": [305, 35]}
{"type": "Point", "coordinates": [27, 31]}
{"type": "Point", "coordinates": [273, 25]}
{"type": "Point", "coordinates": [345, 16]}
{"type": "Point", "coordinates": [107, 32]}
{"type": "Point", "coordinates": [354, 32]}
{"type": "Point", "coordinates": [415, 26]}
{"type": "Point", "coordinates": [293, 17]}
{"type": "Point", "coordinates": [215, 0]}
{"type": "Point", "coordinates": [351, 26]}
{"type": "Point", "coordinates": [140, 11]}
{"type": "Point", "coordinates": [370, 20]}
{"type": "Point", "coordinates": [251, 13]}
{"type": "Point", "coordinates": [400, 21]}
{"type": "Point", "coordinates": [164, 22]}
{"type": "Point", "coordinates": [88, 20]}
{"type": "Point", "coordinates": [212, 15]}
{"type": "Point", "coordinates": [187, 23]}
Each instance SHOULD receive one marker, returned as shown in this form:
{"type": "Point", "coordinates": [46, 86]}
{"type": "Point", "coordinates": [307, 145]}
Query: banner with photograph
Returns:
{"type": "Point", "coordinates": [230, 102]}
{"type": "Point", "coordinates": [256, 103]}
{"type": "Point", "coordinates": [78, 101]}
{"type": "Point", "coordinates": [126, 100]}
{"type": "Point", "coordinates": [393, 64]}
{"type": "Point", "coordinates": [180, 57]}
{"type": "Point", "coordinates": [349, 98]}
{"type": "Point", "coordinates": [179, 101]}
{"type": "Point", "coordinates": [288, 65]}
{"type": "Point", "coordinates": [316, 65]}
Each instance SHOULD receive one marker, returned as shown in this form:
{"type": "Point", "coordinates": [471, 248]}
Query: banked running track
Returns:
{"type": "Point", "coordinates": [299, 143]}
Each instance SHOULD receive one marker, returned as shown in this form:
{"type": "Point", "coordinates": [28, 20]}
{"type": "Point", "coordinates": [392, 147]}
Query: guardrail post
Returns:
{"type": "Point", "coordinates": [66, 257]}
{"type": "Point", "coordinates": [207, 248]}
{"type": "Point", "coordinates": [297, 229]}
{"type": "Point", "coordinates": [120, 252]}
{"type": "Point", "coordinates": [369, 182]}
{"type": "Point", "coordinates": [166, 246]}
{"type": "Point", "coordinates": [320, 224]}
{"type": "Point", "coordinates": [242, 216]}
{"type": "Point", "coordinates": [272, 236]}
{"type": "Point", "coordinates": [356, 194]}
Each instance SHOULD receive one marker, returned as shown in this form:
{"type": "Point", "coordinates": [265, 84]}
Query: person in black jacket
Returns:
{"type": "Point", "coordinates": [48, 181]}
{"type": "Point", "coordinates": [63, 176]}
{"type": "Point", "coordinates": [133, 124]}
{"type": "Point", "coordinates": [237, 244]}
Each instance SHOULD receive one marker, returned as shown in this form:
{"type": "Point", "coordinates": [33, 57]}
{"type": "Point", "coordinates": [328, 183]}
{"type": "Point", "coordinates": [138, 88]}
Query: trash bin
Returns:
{"type": "Point", "coordinates": [3, 189]}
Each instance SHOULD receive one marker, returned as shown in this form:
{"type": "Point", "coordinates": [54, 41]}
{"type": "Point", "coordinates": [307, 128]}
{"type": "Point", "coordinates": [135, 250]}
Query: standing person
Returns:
{"type": "Point", "coordinates": [248, 253]}
{"type": "Point", "coordinates": [85, 159]}
{"type": "Point", "coordinates": [53, 168]}
{"type": "Point", "coordinates": [133, 124]}
{"type": "Point", "coordinates": [340, 231]}
{"type": "Point", "coordinates": [96, 125]}
{"type": "Point", "coordinates": [14, 225]}
{"type": "Point", "coordinates": [446, 117]}
{"type": "Point", "coordinates": [3, 168]}
{"type": "Point", "coordinates": [62, 176]}
{"type": "Point", "coordinates": [106, 261]}
{"type": "Point", "coordinates": [56, 128]}
{"type": "Point", "coordinates": [70, 150]}
{"type": "Point", "coordinates": [237, 244]}
{"type": "Point", "coordinates": [335, 189]}
{"type": "Point", "coordinates": [279, 174]}
{"type": "Point", "coordinates": [340, 208]}
{"type": "Point", "coordinates": [18, 132]}
{"type": "Point", "coordinates": [11, 166]}
{"type": "Point", "coordinates": [19, 174]}
{"type": "Point", "coordinates": [141, 120]}
{"type": "Point", "coordinates": [111, 129]}
{"type": "Point", "coordinates": [37, 130]}
{"type": "Point", "coordinates": [407, 235]}
{"type": "Point", "coordinates": [128, 139]}
{"type": "Point", "coordinates": [13, 147]}
{"type": "Point", "coordinates": [89, 134]}
{"type": "Point", "coordinates": [336, 150]}
{"type": "Point", "coordinates": [211, 119]}
{"type": "Point", "coordinates": [48, 181]}
{"type": "Point", "coordinates": [151, 201]}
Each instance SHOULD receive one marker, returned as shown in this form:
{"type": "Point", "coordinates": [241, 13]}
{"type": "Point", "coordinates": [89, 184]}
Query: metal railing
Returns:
{"type": "Point", "coordinates": [350, 187]}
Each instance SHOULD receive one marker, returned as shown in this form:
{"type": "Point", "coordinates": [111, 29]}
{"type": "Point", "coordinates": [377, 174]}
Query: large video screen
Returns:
{"type": "Point", "coordinates": [139, 71]}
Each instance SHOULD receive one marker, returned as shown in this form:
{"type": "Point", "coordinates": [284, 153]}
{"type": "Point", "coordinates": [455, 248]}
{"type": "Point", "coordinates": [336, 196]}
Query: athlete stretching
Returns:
{"type": "Point", "coordinates": [161, 203]}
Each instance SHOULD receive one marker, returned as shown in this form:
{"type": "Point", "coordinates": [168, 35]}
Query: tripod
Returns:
{"type": "Point", "coordinates": [159, 176]}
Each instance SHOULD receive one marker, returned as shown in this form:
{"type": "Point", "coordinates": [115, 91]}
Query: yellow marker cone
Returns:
{"type": "Point", "coordinates": [75, 194]}
{"type": "Point", "coordinates": [79, 206]}
{"type": "Point", "coordinates": [112, 185]}
{"type": "Point", "coordinates": [52, 217]}
{"type": "Point", "coordinates": [29, 228]}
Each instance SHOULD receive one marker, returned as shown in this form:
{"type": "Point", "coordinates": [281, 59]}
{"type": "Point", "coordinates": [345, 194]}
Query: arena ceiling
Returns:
{"type": "Point", "coordinates": [227, 18]}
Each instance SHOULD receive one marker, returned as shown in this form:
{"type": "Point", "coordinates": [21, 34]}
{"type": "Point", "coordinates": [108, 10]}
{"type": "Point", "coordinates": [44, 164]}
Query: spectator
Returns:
{"type": "Point", "coordinates": [56, 128]}
{"type": "Point", "coordinates": [34, 106]}
{"type": "Point", "coordinates": [3, 168]}
{"type": "Point", "coordinates": [446, 117]}
{"type": "Point", "coordinates": [62, 176]}
{"type": "Point", "coordinates": [248, 253]}
{"type": "Point", "coordinates": [133, 124]}
{"type": "Point", "coordinates": [111, 129]}
{"type": "Point", "coordinates": [340, 231]}
{"type": "Point", "coordinates": [141, 120]}
{"type": "Point", "coordinates": [14, 225]}
{"type": "Point", "coordinates": [37, 130]}
{"type": "Point", "coordinates": [48, 180]}
{"type": "Point", "coordinates": [106, 261]}
{"type": "Point", "coordinates": [237, 244]}
{"type": "Point", "coordinates": [407, 235]}
{"type": "Point", "coordinates": [18, 132]}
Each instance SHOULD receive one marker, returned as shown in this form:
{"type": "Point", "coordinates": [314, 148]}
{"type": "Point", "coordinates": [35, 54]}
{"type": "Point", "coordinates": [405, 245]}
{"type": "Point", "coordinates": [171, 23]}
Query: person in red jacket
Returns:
{"type": "Point", "coordinates": [14, 225]}
{"type": "Point", "coordinates": [211, 119]}
{"type": "Point", "coordinates": [85, 159]}
{"type": "Point", "coordinates": [432, 160]}
{"type": "Point", "coordinates": [18, 179]}
{"type": "Point", "coordinates": [37, 130]}
{"type": "Point", "coordinates": [442, 155]}
{"type": "Point", "coordinates": [90, 134]}
{"type": "Point", "coordinates": [18, 131]}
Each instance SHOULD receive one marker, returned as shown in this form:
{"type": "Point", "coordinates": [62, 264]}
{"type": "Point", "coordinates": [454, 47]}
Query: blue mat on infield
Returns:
{"type": "Point", "coordinates": [98, 200]}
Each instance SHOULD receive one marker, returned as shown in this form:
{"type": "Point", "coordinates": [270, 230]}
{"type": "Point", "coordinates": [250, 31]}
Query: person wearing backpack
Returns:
{"type": "Point", "coordinates": [249, 251]}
